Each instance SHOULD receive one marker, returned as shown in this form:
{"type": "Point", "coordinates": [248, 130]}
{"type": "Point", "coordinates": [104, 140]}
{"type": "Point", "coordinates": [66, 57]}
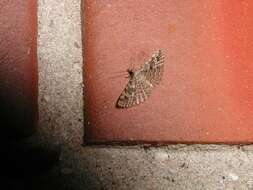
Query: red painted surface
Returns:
{"type": "Point", "coordinates": [18, 67]}
{"type": "Point", "coordinates": [206, 94]}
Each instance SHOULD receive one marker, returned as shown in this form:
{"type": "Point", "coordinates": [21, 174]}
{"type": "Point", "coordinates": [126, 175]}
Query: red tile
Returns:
{"type": "Point", "coordinates": [206, 95]}
{"type": "Point", "coordinates": [18, 67]}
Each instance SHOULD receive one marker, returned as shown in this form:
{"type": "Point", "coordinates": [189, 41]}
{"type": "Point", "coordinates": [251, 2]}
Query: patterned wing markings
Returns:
{"type": "Point", "coordinates": [142, 81]}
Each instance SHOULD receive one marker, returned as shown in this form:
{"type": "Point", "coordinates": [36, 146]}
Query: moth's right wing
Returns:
{"type": "Point", "coordinates": [154, 68]}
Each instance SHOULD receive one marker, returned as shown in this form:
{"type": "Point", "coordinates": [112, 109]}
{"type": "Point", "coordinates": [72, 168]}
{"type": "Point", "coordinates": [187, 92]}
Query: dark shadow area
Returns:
{"type": "Point", "coordinates": [29, 159]}
{"type": "Point", "coordinates": [22, 161]}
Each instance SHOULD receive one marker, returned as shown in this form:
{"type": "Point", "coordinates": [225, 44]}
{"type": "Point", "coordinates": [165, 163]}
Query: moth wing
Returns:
{"type": "Point", "coordinates": [140, 85]}
{"type": "Point", "coordinates": [136, 92]}
{"type": "Point", "coordinates": [154, 68]}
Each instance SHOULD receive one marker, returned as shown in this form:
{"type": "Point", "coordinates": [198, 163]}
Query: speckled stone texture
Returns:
{"type": "Point", "coordinates": [176, 167]}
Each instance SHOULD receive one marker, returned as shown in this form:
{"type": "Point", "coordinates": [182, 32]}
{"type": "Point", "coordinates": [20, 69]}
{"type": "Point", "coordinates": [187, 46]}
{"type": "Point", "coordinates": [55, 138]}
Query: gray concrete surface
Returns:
{"type": "Point", "coordinates": [173, 167]}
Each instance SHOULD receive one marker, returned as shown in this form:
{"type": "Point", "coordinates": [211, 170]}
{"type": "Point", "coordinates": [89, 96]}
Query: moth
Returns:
{"type": "Point", "coordinates": [142, 81]}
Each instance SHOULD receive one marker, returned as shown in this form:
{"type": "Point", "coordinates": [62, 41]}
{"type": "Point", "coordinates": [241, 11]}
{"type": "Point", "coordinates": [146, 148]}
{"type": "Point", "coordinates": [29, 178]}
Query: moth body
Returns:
{"type": "Point", "coordinates": [142, 81]}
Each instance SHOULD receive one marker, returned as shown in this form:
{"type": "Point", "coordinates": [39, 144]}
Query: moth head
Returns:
{"type": "Point", "coordinates": [130, 71]}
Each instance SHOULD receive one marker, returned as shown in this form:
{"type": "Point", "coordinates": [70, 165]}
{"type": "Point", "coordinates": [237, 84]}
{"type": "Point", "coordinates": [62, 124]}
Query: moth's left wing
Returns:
{"type": "Point", "coordinates": [136, 91]}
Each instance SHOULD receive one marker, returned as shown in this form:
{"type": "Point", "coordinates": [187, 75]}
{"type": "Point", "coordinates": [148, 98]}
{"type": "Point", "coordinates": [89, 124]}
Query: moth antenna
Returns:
{"type": "Point", "coordinates": [117, 76]}
{"type": "Point", "coordinates": [120, 71]}
{"type": "Point", "coordinates": [131, 66]}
